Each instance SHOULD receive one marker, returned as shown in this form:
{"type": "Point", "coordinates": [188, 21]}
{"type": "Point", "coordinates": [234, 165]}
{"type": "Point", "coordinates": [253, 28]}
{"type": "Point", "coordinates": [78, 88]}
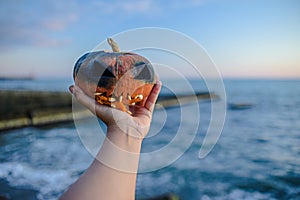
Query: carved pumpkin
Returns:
{"type": "Point", "coordinates": [116, 79]}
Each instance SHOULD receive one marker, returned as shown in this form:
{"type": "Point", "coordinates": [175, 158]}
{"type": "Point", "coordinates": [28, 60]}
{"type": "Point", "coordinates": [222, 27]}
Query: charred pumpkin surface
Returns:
{"type": "Point", "coordinates": [116, 79]}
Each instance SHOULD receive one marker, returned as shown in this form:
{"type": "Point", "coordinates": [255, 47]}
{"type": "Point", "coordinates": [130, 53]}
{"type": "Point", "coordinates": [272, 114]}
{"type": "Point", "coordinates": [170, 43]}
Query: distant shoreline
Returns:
{"type": "Point", "coordinates": [21, 78]}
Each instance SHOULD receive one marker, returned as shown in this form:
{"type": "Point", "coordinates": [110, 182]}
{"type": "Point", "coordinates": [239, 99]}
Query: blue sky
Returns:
{"type": "Point", "coordinates": [245, 38]}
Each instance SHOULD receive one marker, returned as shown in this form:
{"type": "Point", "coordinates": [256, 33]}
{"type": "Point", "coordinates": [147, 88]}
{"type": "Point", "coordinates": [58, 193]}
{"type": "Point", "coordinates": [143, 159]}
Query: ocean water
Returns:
{"type": "Point", "coordinates": [256, 157]}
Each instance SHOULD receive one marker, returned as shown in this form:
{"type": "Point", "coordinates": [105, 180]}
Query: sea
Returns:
{"type": "Point", "coordinates": [256, 156]}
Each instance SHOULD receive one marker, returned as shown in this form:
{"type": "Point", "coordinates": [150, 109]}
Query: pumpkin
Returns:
{"type": "Point", "coordinates": [116, 79]}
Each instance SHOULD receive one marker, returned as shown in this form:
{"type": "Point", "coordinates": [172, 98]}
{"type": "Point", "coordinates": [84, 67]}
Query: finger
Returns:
{"type": "Point", "coordinates": [103, 112]}
{"type": "Point", "coordinates": [151, 100]}
{"type": "Point", "coordinates": [71, 88]}
{"type": "Point", "coordinates": [83, 99]}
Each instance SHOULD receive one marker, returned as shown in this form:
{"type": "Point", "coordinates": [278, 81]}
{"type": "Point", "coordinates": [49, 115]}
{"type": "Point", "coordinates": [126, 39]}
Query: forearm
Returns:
{"type": "Point", "coordinates": [112, 175]}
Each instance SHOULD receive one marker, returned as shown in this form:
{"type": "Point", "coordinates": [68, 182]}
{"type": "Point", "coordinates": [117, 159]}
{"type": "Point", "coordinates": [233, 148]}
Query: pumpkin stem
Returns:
{"type": "Point", "coordinates": [114, 46]}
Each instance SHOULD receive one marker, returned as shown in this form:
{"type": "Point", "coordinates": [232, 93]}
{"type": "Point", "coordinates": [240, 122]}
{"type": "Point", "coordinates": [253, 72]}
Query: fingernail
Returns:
{"type": "Point", "coordinates": [71, 88]}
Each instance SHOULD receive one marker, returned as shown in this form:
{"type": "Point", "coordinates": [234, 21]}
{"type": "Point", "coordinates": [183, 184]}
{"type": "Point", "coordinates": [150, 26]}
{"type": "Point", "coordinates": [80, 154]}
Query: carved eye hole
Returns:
{"type": "Point", "coordinates": [107, 79]}
{"type": "Point", "coordinates": [108, 73]}
{"type": "Point", "coordinates": [143, 72]}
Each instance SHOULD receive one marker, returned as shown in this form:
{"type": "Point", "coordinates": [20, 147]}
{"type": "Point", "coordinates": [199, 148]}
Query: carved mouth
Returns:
{"type": "Point", "coordinates": [118, 102]}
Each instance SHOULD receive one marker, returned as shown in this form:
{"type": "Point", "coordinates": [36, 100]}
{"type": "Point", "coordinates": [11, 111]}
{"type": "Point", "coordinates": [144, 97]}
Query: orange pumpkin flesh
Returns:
{"type": "Point", "coordinates": [116, 79]}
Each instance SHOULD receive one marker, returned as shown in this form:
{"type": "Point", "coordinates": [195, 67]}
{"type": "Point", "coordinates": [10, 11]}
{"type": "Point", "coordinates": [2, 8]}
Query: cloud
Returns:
{"type": "Point", "coordinates": [59, 22]}
{"type": "Point", "coordinates": [33, 23]}
{"type": "Point", "coordinates": [45, 23]}
{"type": "Point", "coordinates": [127, 7]}
{"type": "Point", "coordinates": [133, 7]}
{"type": "Point", "coordinates": [39, 23]}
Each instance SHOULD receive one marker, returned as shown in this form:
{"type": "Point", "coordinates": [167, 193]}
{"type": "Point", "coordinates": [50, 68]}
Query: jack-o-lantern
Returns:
{"type": "Point", "coordinates": [116, 79]}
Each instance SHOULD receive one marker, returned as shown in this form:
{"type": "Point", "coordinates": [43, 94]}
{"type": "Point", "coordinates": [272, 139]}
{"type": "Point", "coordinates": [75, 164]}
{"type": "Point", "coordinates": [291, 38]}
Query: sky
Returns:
{"type": "Point", "coordinates": [244, 38]}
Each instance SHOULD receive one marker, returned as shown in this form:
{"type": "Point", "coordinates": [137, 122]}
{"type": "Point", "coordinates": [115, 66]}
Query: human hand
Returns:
{"type": "Point", "coordinates": [136, 125]}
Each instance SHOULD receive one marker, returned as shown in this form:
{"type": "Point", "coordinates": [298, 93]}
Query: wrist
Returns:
{"type": "Point", "coordinates": [127, 140]}
{"type": "Point", "coordinates": [120, 151]}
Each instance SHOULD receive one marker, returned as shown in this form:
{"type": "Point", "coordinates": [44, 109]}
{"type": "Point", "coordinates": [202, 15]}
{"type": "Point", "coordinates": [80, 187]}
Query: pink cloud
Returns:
{"type": "Point", "coordinates": [39, 23]}
{"type": "Point", "coordinates": [34, 23]}
{"type": "Point", "coordinates": [59, 23]}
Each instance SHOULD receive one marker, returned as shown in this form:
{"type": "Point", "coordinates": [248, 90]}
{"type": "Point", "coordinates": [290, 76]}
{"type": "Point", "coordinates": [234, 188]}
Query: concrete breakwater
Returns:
{"type": "Point", "coordinates": [36, 108]}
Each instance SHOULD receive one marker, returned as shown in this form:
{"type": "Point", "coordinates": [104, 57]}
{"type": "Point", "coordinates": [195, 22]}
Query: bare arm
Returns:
{"type": "Point", "coordinates": [112, 175]}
